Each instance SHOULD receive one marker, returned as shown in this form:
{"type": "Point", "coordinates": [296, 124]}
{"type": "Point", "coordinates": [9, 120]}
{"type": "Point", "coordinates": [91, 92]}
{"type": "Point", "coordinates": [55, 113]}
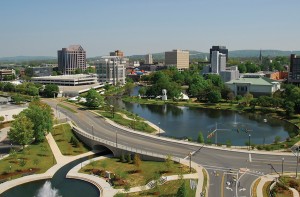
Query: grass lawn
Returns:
{"type": "Point", "coordinates": [67, 108]}
{"type": "Point", "coordinates": [37, 157]}
{"type": "Point", "coordinates": [254, 188]}
{"type": "Point", "coordinates": [62, 135]}
{"type": "Point", "coordinates": [5, 124]}
{"type": "Point", "coordinates": [170, 188]}
{"type": "Point", "coordinates": [266, 188]}
{"type": "Point", "coordinates": [204, 181]}
{"type": "Point", "coordinates": [136, 125]}
{"type": "Point", "coordinates": [128, 172]}
{"type": "Point", "coordinates": [131, 115]}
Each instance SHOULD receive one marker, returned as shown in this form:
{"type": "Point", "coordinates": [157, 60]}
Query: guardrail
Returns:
{"type": "Point", "coordinates": [119, 146]}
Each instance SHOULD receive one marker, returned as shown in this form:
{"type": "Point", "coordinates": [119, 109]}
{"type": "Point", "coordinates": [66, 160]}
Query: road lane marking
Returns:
{"type": "Point", "coordinates": [222, 186]}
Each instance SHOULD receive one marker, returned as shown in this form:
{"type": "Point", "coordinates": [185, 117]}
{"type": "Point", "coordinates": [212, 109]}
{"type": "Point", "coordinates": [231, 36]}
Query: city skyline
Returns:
{"type": "Point", "coordinates": [35, 28]}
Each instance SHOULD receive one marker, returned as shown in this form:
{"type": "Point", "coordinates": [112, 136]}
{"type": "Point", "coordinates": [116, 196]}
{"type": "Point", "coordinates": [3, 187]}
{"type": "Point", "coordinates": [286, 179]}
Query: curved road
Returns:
{"type": "Point", "coordinates": [230, 172]}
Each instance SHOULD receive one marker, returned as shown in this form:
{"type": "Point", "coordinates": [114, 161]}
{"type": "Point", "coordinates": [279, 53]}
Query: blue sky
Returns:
{"type": "Point", "coordinates": [35, 27]}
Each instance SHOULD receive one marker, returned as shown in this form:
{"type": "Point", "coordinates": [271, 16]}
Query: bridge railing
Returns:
{"type": "Point", "coordinates": [119, 146]}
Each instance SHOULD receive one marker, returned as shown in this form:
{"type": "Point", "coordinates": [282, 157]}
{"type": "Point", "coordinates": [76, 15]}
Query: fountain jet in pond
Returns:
{"type": "Point", "coordinates": [48, 191]}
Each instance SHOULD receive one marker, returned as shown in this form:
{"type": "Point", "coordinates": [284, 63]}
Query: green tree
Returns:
{"type": "Point", "coordinates": [214, 96]}
{"type": "Point", "coordinates": [93, 99]}
{"type": "Point", "coordinates": [169, 163]}
{"type": "Point", "coordinates": [200, 138]}
{"type": "Point", "coordinates": [40, 115]}
{"type": "Point", "coordinates": [230, 96]}
{"type": "Point", "coordinates": [128, 158]}
{"type": "Point", "coordinates": [182, 191]}
{"type": "Point", "coordinates": [54, 73]}
{"type": "Point", "coordinates": [17, 98]}
{"type": "Point", "coordinates": [238, 97]}
{"type": "Point", "coordinates": [51, 90]}
{"type": "Point", "coordinates": [128, 87]}
{"type": "Point", "coordinates": [32, 91]}
{"type": "Point", "coordinates": [289, 108]}
{"type": "Point", "coordinates": [242, 68]}
{"type": "Point", "coordinates": [216, 80]}
{"type": "Point", "coordinates": [122, 158]}
{"type": "Point", "coordinates": [21, 130]}
{"type": "Point", "coordinates": [142, 91]}
{"type": "Point", "coordinates": [277, 139]}
{"type": "Point", "coordinates": [248, 97]}
{"type": "Point", "coordinates": [137, 162]}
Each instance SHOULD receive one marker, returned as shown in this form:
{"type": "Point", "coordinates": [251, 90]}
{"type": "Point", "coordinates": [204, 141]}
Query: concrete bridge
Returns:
{"type": "Point", "coordinates": [117, 150]}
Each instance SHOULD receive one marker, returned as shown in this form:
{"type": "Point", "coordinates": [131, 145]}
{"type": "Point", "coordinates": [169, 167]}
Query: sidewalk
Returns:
{"type": "Point", "coordinates": [3, 133]}
{"type": "Point", "coordinates": [265, 179]}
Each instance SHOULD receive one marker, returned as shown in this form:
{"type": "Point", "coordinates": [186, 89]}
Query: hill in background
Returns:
{"type": "Point", "coordinates": [161, 56]}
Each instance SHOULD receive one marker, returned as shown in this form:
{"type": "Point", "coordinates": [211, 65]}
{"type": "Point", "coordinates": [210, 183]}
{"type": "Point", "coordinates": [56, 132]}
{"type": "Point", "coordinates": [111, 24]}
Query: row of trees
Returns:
{"type": "Point", "coordinates": [32, 124]}
{"type": "Point", "coordinates": [31, 89]}
{"type": "Point", "coordinates": [210, 87]}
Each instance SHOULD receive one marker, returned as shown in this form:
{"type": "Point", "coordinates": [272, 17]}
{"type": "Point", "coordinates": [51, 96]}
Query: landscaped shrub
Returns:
{"type": "Point", "coordinates": [293, 184]}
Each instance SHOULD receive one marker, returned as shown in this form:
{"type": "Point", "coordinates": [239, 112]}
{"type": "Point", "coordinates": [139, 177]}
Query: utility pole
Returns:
{"type": "Point", "coordinates": [158, 129]}
{"type": "Point", "coordinates": [190, 162]}
{"type": "Point", "coordinates": [297, 162]}
{"type": "Point", "coordinates": [116, 139]}
{"type": "Point", "coordinates": [282, 166]}
{"type": "Point", "coordinates": [93, 131]}
{"type": "Point", "coordinates": [216, 139]}
{"type": "Point", "coordinates": [249, 142]}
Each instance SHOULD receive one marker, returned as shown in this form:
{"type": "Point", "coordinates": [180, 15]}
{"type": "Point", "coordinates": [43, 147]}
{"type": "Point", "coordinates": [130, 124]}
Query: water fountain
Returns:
{"type": "Point", "coordinates": [47, 191]}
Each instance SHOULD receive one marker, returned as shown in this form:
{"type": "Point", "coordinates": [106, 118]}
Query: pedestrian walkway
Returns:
{"type": "Point", "coordinates": [267, 178]}
{"type": "Point", "coordinates": [3, 133]}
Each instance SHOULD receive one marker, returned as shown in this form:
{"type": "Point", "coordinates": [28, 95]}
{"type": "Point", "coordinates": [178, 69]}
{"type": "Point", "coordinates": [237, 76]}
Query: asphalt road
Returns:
{"type": "Point", "coordinates": [221, 164]}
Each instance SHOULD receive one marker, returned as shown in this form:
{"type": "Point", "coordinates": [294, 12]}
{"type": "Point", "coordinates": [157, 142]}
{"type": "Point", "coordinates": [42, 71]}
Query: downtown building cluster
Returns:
{"type": "Point", "coordinates": [115, 67]}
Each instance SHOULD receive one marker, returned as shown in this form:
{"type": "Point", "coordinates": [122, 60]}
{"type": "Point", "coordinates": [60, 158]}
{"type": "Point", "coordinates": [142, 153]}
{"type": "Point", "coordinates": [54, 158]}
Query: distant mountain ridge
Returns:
{"type": "Point", "coordinates": [25, 58]}
{"type": "Point", "coordinates": [161, 56]}
{"type": "Point", "coordinates": [234, 54]}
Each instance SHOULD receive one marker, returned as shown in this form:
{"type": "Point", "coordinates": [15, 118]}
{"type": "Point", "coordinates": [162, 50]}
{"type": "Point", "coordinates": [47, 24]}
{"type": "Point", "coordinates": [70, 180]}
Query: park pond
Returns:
{"type": "Point", "coordinates": [234, 127]}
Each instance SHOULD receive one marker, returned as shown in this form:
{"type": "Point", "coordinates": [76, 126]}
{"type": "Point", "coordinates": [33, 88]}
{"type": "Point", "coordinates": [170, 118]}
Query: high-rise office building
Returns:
{"type": "Point", "coordinates": [221, 49]}
{"type": "Point", "coordinates": [178, 58]}
{"type": "Point", "coordinates": [218, 62]}
{"type": "Point", "coordinates": [294, 73]}
{"type": "Point", "coordinates": [70, 59]}
{"type": "Point", "coordinates": [117, 53]}
{"type": "Point", "coordinates": [111, 69]}
{"type": "Point", "coordinates": [148, 59]}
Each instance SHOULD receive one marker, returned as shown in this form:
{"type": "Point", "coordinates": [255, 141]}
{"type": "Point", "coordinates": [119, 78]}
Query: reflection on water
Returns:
{"type": "Point", "coordinates": [235, 127]}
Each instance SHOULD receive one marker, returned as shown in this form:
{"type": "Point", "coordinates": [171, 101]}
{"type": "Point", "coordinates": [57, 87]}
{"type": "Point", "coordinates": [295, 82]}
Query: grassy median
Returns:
{"type": "Point", "coordinates": [134, 124]}
{"type": "Point", "coordinates": [67, 142]}
{"type": "Point", "coordinates": [170, 188]}
{"type": "Point", "coordinates": [128, 173]}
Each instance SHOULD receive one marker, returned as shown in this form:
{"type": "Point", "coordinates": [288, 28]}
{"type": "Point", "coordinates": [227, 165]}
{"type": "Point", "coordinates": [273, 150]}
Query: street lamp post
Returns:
{"type": "Point", "coordinates": [112, 111]}
{"type": "Point", "coordinates": [190, 162]}
{"type": "Point", "coordinates": [158, 129]}
{"type": "Point", "coordinates": [249, 142]}
{"type": "Point", "coordinates": [282, 166]}
{"type": "Point", "coordinates": [93, 131]}
{"type": "Point", "coordinates": [297, 162]}
{"type": "Point", "coordinates": [116, 139]}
